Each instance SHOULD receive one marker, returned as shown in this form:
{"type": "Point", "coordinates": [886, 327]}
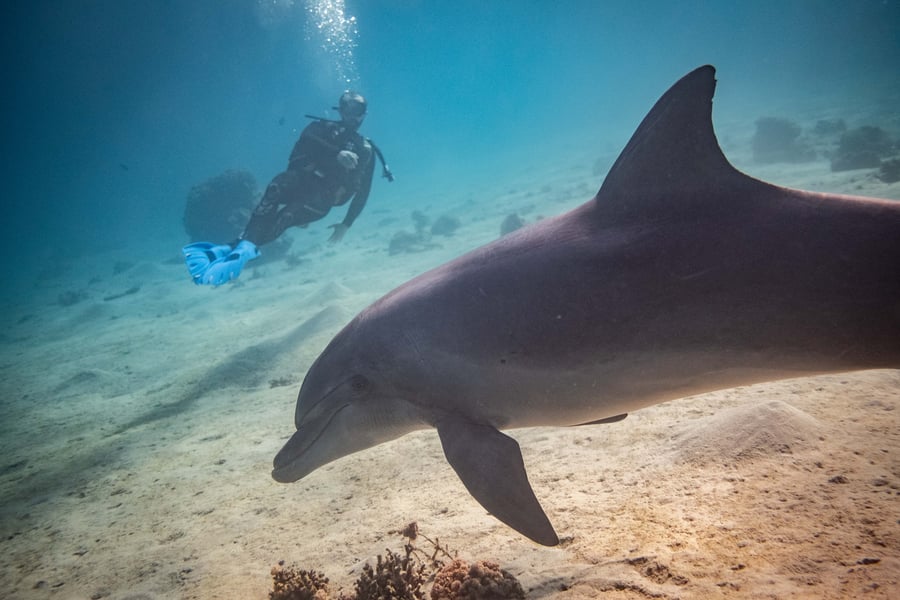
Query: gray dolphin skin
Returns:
{"type": "Point", "coordinates": [681, 276]}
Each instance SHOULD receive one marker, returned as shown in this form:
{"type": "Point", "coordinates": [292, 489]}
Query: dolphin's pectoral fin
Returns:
{"type": "Point", "coordinates": [605, 421]}
{"type": "Point", "coordinates": [490, 465]}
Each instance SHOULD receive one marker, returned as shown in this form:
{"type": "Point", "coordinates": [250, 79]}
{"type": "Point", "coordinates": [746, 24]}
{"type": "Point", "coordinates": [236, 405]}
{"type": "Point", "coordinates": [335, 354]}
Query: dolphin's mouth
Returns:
{"type": "Point", "coordinates": [290, 464]}
{"type": "Point", "coordinates": [293, 450]}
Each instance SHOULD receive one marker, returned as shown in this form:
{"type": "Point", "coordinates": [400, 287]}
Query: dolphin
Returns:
{"type": "Point", "coordinates": [681, 276]}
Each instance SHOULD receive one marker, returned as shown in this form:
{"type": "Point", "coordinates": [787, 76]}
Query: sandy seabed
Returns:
{"type": "Point", "coordinates": [138, 434]}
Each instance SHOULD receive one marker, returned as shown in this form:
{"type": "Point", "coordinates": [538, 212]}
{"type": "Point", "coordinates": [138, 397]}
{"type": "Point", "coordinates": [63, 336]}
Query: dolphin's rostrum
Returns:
{"type": "Point", "coordinates": [682, 275]}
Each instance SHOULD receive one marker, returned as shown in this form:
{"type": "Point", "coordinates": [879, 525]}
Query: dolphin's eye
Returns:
{"type": "Point", "coordinates": [359, 383]}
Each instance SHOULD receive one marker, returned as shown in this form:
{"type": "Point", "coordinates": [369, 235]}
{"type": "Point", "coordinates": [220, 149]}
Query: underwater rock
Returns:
{"type": "Point", "coordinates": [511, 223]}
{"type": "Point", "coordinates": [865, 159]}
{"type": "Point", "coordinates": [778, 140]}
{"type": "Point", "coordinates": [445, 225]}
{"type": "Point", "coordinates": [890, 171]}
{"type": "Point", "coordinates": [825, 127]}
{"type": "Point", "coordinates": [219, 208]}
{"type": "Point", "coordinates": [406, 242]}
{"type": "Point", "coordinates": [482, 580]}
{"type": "Point", "coordinates": [420, 220]}
{"type": "Point", "coordinates": [862, 148]}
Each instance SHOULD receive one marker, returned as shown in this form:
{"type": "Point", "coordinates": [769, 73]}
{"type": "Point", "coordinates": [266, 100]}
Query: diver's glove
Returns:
{"type": "Point", "coordinates": [199, 255]}
{"type": "Point", "coordinates": [348, 159]}
{"type": "Point", "coordinates": [229, 267]}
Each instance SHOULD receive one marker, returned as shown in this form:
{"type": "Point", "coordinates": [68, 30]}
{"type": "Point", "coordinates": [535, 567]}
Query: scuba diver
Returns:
{"type": "Point", "coordinates": [330, 164]}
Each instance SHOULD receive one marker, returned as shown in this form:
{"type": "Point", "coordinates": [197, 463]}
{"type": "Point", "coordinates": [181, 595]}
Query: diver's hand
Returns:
{"type": "Point", "coordinates": [348, 159]}
{"type": "Point", "coordinates": [339, 230]}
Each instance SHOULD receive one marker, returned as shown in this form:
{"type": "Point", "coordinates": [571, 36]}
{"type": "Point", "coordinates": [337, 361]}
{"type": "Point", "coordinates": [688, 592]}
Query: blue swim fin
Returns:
{"type": "Point", "coordinates": [199, 255]}
{"type": "Point", "coordinates": [227, 268]}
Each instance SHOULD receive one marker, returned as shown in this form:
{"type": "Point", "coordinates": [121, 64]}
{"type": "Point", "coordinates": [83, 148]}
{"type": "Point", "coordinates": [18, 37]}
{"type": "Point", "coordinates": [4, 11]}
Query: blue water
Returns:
{"type": "Point", "coordinates": [115, 109]}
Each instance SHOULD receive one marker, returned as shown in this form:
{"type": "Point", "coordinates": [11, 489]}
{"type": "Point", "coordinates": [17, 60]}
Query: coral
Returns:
{"type": "Point", "coordinates": [874, 139]}
{"type": "Point", "coordinates": [482, 580]}
{"type": "Point", "coordinates": [393, 578]}
{"type": "Point", "coordinates": [862, 148]}
{"type": "Point", "coordinates": [412, 532]}
{"type": "Point", "coordinates": [830, 127]}
{"type": "Point", "coordinates": [864, 159]}
{"type": "Point", "coordinates": [445, 225]}
{"type": "Point", "coordinates": [420, 241]}
{"type": "Point", "coordinates": [403, 577]}
{"type": "Point", "coordinates": [293, 584]}
{"type": "Point", "coordinates": [421, 221]}
{"type": "Point", "coordinates": [890, 171]}
{"type": "Point", "coordinates": [218, 208]}
{"type": "Point", "coordinates": [778, 140]}
{"type": "Point", "coordinates": [511, 223]}
{"type": "Point", "coordinates": [404, 241]}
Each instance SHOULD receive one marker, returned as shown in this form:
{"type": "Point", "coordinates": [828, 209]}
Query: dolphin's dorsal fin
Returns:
{"type": "Point", "coordinates": [673, 152]}
{"type": "Point", "coordinates": [490, 465]}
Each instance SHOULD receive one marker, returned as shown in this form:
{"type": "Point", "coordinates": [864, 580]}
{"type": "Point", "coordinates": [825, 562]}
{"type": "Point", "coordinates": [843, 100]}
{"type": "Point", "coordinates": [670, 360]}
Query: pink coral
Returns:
{"type": "Point", "coordinates": [483, 580]}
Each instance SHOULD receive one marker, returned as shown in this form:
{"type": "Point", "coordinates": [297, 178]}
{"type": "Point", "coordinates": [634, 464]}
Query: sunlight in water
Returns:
{"type": "Point", "coordinates": [327, 26]}
{"type": "Point", "coordinates": [336, 33]}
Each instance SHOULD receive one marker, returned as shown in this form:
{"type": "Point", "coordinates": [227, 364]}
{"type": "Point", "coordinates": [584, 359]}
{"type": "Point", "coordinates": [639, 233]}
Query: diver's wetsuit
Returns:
{"type": "Point", "coordinates": [314, 182]}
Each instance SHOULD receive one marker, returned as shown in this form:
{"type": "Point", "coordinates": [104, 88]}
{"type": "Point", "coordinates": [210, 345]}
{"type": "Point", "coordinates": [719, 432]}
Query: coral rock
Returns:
{"type": "Point", "coordinates": [421, 221]}
{"type": "Point", "coordinates": [826, 127]}
{"type": "Point", "coordinates": [294, 584]}
{"type": "Point", "coordinates": [218, 208]}
{"type": "Point", "coordinates": [778, 140]}
{"type": "Point", "coordinates": [862, 148]}
{"type": "Point", "coordinates": [393, 578]}
{"type": "Point", "coordinates": [890, 171]}
{"type": "Point", "coordinates": [445, 225]}
{"type": "Point", "coordinates": [511, 223]}
{"type": "Point", "coordinates": [406, 242]}
{"type": "Point", "coordinates": [482, 580]}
